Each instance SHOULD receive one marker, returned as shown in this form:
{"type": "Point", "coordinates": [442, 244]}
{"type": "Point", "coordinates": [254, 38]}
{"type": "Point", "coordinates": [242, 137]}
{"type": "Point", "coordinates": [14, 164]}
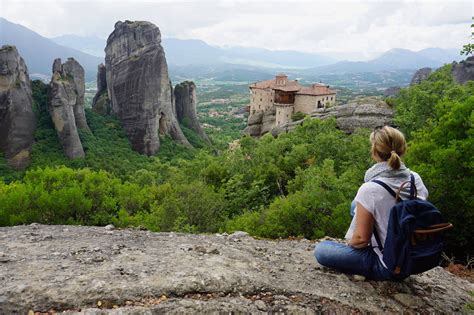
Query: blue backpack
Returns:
{"type": "Point", "coordinates": [415, 234]}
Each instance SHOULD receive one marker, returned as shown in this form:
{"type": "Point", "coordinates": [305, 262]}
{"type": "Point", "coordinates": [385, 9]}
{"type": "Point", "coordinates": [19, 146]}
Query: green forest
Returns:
{"type": "Point", "coordinates": [299, 184]}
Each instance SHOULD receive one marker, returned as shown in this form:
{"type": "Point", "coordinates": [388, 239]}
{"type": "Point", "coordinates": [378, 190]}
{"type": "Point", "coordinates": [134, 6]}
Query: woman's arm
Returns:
{"type": "Point", "coordinates": [363, 229]}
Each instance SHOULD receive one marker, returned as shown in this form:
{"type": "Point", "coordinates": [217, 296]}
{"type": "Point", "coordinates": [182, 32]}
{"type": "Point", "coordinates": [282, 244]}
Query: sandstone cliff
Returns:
{"type": "Point", "coordinates": [365, 112]}
{"type": "Point", "coordinates": [81, 269]}
{"type": "Point", "coordinates": [185, 107]}
{"type": "Point", "coordinates": [101, 102]}
{"type": "Point", "coordinates": [260, 123]}
{"type": "Point", "coordinates": [138, 85]}
{"type": "Point", "coordinates": [464, 70]}
{"type": "Point", "coordinates": [17, 120]}
{"type": "Point", "coordinates": [66, 105]}
{"type": "Point", "coordinates": [420, 75]}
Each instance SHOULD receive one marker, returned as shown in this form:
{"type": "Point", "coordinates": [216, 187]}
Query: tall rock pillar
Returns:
{"type": "Point", "coordinates": [185, 104]}
{"type": "Point", "coordinates": [138, 85]}
{"type": "Point", "coordinates": [17, 120]}
{"type": "Point", "coordinates": [66, 105]}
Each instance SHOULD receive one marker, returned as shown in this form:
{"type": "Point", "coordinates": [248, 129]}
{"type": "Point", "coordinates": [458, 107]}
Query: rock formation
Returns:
{"type": "Point", "coordinates": [138, 85]}
{"type": "Point", "coordinates": [17, 120]}
{"type": "Point", "coordinates": [97, 270]}
{"type": "Point", "coordinates": [260, 123]}
{"type": "Point", "coordinates": [66, 105]}
{"type": "Point", "coordinates": [464, 70]}
{"type": "Point", "coordinates": [420, 75]}
{"type": "Point", "coordinates": [361, 113]}
{"type": "Point", "coordinates": [391, 91]}
{"type": "Point", "coordinates": [185, 106]}
{"type": "Point", "coordinates": [101, 102]}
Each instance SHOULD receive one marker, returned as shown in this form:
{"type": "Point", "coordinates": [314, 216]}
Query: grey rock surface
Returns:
{"type": "Point", "coordinates": [464, 70]}
{"type": "Point", "coordinates": [101, 102]}
{"type": "Point", "coordinates": [268, 121]}
{"type": "Point", "coordinates": [66, 105]}
{"type": "Point", "coordinates": [94, 270]}
{"type": "Point", "coordinates": [260, 123]}
{"type": "Point", "coordinates": [138, 85]}
{"type": "Point", "coordinates": [17, 119]}
{"type": "Point", "coordinates": [391, 91]}
{"type": "Point", "coordinates": [185, 107]}
{"type": "Point", "coordinates": [420, 75]}
{"type": "Point", "coordinates": [365, 112]}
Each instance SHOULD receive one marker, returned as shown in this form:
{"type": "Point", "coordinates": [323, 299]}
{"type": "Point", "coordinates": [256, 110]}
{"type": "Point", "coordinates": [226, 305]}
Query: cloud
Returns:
{"type": "Point", "coordinates": [315, 26]}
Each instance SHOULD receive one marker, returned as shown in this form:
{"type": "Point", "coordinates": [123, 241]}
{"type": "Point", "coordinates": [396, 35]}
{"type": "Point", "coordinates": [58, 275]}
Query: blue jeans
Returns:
{"type": "Point", "coordinates": [350, 260]}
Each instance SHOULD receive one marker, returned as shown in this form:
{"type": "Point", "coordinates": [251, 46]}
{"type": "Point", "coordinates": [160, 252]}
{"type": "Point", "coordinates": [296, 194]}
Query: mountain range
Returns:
{"type": "Point", "coordinates": [189, 58]}
{"type": "Point", "coordinates": [39, 52]}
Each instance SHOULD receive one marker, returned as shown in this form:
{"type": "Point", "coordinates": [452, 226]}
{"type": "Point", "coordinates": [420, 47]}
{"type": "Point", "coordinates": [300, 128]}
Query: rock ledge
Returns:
{"type": "Point", "coordinates": [94, 270]}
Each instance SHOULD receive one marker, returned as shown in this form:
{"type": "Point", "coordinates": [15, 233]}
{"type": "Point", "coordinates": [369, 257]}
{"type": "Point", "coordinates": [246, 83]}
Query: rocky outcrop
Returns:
{"type": "Point", "coordinates": [101, 102]}
{"type": "Point", "coordinates": [260, 123]}
{"type": "Point", "coordinates": [17, 120]}
{"type": "Point", "coordinates": [391, 91]}
{"type": "Point", "coordinates": [464, 70]}
{"type": "Point", "coordinates": [421, 75]}
{"type": "Point", "coordinates": [66, 105]}
{"type": "Point", "coordinates": [97, 270]}
{"type": "Point", "coordinates": [361, 113]}
{"type": "Point", "coordinates": [138, 85]}
{"type": "Point", "coordinates": [185, 107]}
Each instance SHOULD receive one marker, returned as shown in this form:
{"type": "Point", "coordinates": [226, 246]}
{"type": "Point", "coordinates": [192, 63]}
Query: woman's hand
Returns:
{"type": "Point", "coordinates": [363, 229]}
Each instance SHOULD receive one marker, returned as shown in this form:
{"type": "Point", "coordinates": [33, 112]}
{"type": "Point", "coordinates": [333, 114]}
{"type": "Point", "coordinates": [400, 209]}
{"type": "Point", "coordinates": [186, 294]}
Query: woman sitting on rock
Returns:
{"type": "Point", "coordinates": [372, 208]}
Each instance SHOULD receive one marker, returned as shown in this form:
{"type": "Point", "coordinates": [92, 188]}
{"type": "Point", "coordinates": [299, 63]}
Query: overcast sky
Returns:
{"type": "Point", "coordinates": [366, 27]}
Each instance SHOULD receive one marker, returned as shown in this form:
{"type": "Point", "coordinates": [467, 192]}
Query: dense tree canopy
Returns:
{"type": "Point", "coordinates": [298, 184]}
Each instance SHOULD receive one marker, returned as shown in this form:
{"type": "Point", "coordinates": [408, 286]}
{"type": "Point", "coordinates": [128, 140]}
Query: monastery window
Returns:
{"type": "Point", "coordinates": [327, 98]}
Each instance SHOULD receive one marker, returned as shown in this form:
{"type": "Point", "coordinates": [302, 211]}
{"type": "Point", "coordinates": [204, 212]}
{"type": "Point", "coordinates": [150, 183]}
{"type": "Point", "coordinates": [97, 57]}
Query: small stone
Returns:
{"type": "Point", "coordinates": [261, 305]}
{"type": "Point", "coordinates": [109, 227]}
{"type": "Point", "coordinates": [408, 300]}
{"type": "Point", "coordinates": [238, 234]}
{"type": "Point", "coordinates": [359, 278]}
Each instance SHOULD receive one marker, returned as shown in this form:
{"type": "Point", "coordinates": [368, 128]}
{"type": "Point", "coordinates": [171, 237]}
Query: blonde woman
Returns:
{"type": "Point", "coordinates": [372, 209]}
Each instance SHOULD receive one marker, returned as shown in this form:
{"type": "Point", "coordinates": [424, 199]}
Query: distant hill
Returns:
{"type": "Point", "coordinates": [39, 52]}
{"type": "Point", "coordinates": [182, 52]}
{"type": "Point", "coordinates": [394, 59]}
{"type": "Point", "coordinates": [91, 45]}
{"type": "Point", "coordinates": [192, 58]}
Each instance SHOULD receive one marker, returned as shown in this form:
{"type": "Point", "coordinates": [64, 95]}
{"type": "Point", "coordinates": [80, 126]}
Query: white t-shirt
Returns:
{"type": "Point", "coordinates": [378, 201]}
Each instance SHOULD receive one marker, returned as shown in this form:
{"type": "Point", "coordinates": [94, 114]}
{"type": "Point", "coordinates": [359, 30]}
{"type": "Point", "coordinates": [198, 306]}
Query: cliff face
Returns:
{"type": "Point", "coordinates": [101, 102]}
{"type": "Point", "coordinates": [361, 113]}
{"type": "Point", "coordinates": [420, 75]}
{"type": "Point", "coordinates": [260, 123]}
{"type": "Point", "coordinates": [17, 120]}
{"type": "Point", "coordinates": [464, 70]}
{"type": "Point", "coordinates": [185, 107]}
{"type": "Point", "coordinates": [67, 268]}
{"type": "Point", "coordinates": [138, 85]}
{"type": "Point", "coordinates": [66, 105]}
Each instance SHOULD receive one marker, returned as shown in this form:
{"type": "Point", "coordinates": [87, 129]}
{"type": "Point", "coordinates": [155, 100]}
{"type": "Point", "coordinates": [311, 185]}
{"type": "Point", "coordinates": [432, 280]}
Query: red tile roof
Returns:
{"type": "Point", "coordinates": [293, 86]}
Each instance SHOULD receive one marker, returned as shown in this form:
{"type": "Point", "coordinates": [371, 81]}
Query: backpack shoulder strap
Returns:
{"type": "Point", "coordinates": [394, 195]}
{"type": "Point", "coordinates": [387, 188]}
{"type": "Point", "coordinates": [412, 186]}
{"type": "Point", "coordinates": [377, 239]}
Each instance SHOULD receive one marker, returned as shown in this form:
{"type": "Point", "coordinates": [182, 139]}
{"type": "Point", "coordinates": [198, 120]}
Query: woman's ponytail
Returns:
{"type": "Point", "coordinates": [389, 145]}
{"type": "Point", "coordinates": [394, 161]}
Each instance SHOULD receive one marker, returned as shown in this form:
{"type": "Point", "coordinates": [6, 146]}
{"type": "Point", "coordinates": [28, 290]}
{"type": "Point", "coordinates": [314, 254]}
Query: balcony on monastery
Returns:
{"type": "Point", "coordinates": [284, 98]}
